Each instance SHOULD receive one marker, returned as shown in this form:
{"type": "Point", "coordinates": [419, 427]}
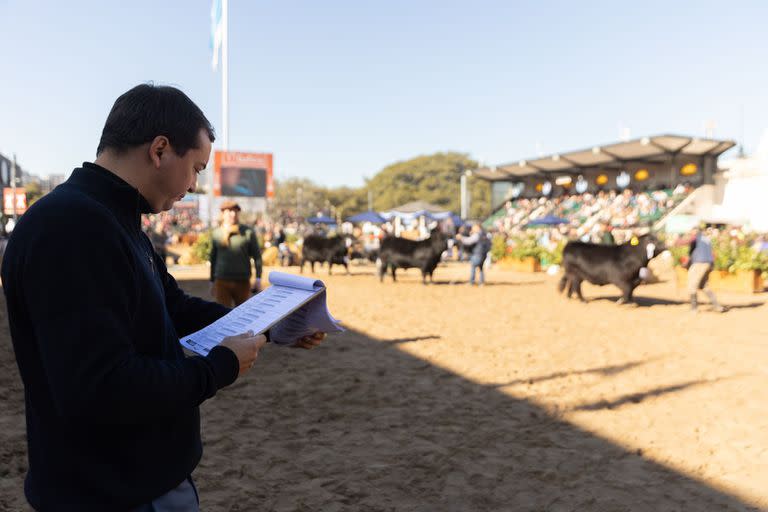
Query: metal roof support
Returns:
{"type": "Point", "coordinates": [681, 148]}
{"type": "Point", "coordinates": [612, 155]}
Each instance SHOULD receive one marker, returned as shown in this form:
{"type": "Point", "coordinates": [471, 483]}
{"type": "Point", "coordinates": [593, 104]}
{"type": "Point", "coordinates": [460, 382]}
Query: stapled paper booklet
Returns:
{"type": "Point", "coordinates": [293, 307]}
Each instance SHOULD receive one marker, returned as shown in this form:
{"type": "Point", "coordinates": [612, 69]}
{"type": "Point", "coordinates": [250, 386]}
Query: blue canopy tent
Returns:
{"type": "Point", "coordinates": [447, 215]}
{"type": "Point", "coordinates": [547, 220]}
{"type": "Point", "coordinates": [321, 220]}
{"type": "Point", "coordinates": [368, 216]}
{"type": "Point", "coordinates": [457, 221]}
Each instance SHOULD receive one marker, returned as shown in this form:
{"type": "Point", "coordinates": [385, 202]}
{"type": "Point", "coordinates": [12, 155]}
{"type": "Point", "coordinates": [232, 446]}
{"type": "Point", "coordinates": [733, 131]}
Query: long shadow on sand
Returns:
{"type": "Point", "coordinates": [358, 425]}
{"type": "Point", "coordinates": [636, 398]}
{"type": "Point", "coordinates": [605, 371]}
{"type": "Point", "coordinates": [397, 341]}
{"type": "Point", "coordinates": [645, 302]}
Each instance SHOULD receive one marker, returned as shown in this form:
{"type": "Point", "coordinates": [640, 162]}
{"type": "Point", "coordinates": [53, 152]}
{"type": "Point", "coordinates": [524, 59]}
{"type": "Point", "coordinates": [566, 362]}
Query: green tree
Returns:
{"type": "Point", "coordinates": [433, 178]}
{"type": "Point", "coordinates": [33, 191]}
{"type": "Point", "coordinates": [297, 196]}
{"type": "Point", "coordinates": [347, 201]}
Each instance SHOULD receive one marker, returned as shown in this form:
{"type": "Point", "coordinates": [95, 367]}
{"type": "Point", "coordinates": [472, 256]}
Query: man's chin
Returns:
{"type": "Point", "coordinates": [169, 204]}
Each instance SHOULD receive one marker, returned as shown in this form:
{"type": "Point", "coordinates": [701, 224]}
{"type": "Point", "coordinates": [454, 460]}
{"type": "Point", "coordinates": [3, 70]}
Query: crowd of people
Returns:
{"type": "Point", "coordinates": [604, 217]}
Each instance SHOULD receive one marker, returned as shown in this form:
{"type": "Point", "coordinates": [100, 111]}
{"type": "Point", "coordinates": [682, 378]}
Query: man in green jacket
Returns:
{"type": "Point", "coordinates": [234, 245]}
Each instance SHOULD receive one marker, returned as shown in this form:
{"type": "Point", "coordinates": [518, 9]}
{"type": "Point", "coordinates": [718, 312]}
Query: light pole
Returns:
{"type": "Point", "coordinates": [14, 169]}
{"type": "Point", "coordinates": [465, 199]}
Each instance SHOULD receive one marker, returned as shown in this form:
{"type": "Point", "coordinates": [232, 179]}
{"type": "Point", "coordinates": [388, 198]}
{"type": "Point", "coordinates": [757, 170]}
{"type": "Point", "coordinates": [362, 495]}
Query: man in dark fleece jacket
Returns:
{"type": "Point", "coordinates": [111, 400]}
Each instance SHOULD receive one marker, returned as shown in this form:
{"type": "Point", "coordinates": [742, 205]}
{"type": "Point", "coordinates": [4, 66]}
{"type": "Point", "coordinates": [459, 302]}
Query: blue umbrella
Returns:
{"type": "Point", "coordinates": [547, 220]}
{"type": "Point", "coordinates": [321, 220]}
{"type": "Point", "coordinates": [369, 216]}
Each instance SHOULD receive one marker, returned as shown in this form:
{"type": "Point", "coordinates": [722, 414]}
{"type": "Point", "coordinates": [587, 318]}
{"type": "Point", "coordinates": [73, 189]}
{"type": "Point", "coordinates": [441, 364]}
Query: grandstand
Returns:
{"type": "Point", "coordinates": [625, 184]}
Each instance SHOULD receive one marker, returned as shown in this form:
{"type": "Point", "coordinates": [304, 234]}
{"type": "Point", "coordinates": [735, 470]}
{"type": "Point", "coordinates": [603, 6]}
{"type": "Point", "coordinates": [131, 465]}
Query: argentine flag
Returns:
{"type": "Point", "coordinates": [217, 31]}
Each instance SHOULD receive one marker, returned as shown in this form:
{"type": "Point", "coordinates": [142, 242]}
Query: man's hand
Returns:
{"type": "Point", "coordinates": [308, 342]}
{"type": "Point", "coordinates": [246, 347]}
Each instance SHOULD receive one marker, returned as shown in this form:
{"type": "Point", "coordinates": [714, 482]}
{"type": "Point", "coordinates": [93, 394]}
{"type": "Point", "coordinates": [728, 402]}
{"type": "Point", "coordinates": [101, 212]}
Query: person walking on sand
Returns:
{"type": "Point", "coordinates": [701, 262]}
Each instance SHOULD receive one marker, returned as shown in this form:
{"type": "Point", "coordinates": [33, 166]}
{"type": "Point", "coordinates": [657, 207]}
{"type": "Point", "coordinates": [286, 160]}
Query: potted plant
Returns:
{"type": "Point", "coordinates": [523, 255]}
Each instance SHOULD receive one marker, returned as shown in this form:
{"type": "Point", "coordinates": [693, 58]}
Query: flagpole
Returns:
{"type": "Point", "coordinates": [224, 73]}
{"type": "Point", "coordinates": [223, 46]}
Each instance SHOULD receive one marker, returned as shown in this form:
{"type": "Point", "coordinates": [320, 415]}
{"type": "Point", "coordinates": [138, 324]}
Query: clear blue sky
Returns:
{"type": "Point", "coordinates": [339, 89]}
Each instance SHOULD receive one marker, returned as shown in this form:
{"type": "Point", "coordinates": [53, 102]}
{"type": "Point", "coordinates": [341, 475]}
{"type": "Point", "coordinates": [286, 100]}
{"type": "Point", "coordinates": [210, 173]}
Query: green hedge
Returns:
{"type": "Point", "coordinates": [520, 248]}
{"type": "Point", "coordinates": [730, 255]}
{"type": "Point", "coordinates": [201, 249]}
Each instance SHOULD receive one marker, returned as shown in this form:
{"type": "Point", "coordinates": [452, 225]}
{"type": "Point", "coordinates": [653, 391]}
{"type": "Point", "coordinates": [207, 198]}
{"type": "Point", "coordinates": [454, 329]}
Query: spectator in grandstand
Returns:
{"type": "Point", "coordinates": [606, 238]}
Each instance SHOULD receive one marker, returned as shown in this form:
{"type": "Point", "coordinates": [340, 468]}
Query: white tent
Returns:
{"type": "Point", "coordinates": [415, 211]}
{"type": "Point", "coordinates": [745, 186]}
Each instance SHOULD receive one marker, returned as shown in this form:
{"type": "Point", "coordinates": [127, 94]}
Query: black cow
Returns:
{"type": "Point", "coordinates": [333, 251]}
{"type": "Point", "coordinates": [404, 253]}
{"type": "Point", "coordinates": [607, 264]}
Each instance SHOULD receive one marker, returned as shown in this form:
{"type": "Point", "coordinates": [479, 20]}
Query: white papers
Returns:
{"type": "Point", "coordinates": [293, 307]}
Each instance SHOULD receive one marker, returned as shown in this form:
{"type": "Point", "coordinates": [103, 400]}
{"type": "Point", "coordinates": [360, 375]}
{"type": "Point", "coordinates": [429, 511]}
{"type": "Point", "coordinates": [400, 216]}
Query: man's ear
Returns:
{"type": "Point", "coordinates": [157, 148]}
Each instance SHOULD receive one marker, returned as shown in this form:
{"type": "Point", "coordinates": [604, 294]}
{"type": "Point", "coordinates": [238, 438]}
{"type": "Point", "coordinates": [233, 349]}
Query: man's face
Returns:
{"type": "Point", "coordinates": [178, 174]}
{"type": "Point", "coordinates": [230, 215]}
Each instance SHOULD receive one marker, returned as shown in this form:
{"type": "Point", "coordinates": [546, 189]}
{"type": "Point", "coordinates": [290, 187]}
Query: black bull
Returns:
{"type": "Point", "coordinates": [333, 251]}
{"type": "Point", "coordinates": [404, 253]}
{"type": "Point", "coordinates": [607, 264]}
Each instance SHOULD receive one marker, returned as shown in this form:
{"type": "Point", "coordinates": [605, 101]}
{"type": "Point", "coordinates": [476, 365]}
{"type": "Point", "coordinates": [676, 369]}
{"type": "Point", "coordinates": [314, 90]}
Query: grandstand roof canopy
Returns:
{"type": "Point", "coordinates": [654, 149]}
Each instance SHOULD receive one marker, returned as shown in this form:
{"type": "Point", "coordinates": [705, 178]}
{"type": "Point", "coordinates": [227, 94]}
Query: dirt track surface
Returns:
{"type": "Point", "coordinates": [507, 397]}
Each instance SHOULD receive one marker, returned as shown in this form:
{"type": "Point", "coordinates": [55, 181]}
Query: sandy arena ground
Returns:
{"type": "Point", "coordinates": [503, 398]}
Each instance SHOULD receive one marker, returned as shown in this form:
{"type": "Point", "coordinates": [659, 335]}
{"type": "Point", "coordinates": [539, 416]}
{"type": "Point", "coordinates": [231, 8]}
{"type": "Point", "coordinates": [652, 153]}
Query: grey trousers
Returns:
{"type": "Point", "coordinates": [181, 499]}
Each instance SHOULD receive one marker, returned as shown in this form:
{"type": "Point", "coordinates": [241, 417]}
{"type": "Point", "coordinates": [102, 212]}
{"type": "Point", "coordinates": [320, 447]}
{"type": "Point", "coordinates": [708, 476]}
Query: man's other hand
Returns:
{"type": "Point", "coordinates": [308, 342]}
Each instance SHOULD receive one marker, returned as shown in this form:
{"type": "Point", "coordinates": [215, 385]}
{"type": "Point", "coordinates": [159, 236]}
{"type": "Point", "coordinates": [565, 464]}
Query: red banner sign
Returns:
{"type": "Point", "coordinates": [240, 174]}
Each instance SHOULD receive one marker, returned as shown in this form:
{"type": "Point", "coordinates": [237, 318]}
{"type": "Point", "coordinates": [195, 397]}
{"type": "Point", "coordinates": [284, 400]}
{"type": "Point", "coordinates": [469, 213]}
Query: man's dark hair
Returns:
{"type": "Point", "coordinates": [148, 111]}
